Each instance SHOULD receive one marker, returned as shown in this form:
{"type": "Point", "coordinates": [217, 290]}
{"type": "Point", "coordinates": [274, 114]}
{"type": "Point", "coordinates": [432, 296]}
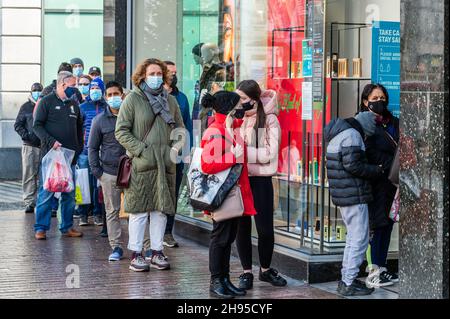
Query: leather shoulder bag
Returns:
{"type": "Point", "coordinates": [124, 172]}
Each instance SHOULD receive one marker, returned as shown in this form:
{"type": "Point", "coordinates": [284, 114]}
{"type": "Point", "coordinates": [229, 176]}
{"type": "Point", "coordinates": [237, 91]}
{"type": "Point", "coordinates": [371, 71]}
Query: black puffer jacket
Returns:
{"type": "Point", "coordinates": [24, 124]}
{"type": "Point", "coordinates": [380, 150]}
{"type": "Point", "coordinates": [347, 168]}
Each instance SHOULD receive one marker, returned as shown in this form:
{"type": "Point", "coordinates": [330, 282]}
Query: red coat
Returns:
{"type": "Point", "coordinates": [213, 162]}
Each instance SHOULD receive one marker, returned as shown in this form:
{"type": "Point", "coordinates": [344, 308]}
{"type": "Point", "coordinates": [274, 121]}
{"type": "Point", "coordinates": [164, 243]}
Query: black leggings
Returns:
{"type": "Point", "coordinates": [222, 236]}
{"type": "Point", "coordinates": [262, 190]}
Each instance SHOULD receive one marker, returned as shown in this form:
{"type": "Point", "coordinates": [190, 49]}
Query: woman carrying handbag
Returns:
{"type": "Point", "coordinates": [222, 149]}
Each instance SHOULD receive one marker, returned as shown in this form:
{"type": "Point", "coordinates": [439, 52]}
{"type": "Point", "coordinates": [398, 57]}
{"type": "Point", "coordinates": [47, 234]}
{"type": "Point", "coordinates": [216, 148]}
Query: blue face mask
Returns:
{"type": "Point", "coordinates": [35, 95]}
{"type": "Point", "coordinates": [70, 91]}
{"type": "Point", "coordinates": [84, 89]}
{"type": "Point", "coordinates": [154, 82]}
{"type": "Point", "coordinates": [96, 94]}
{"type": "Point", "coordinates": [115, 102]}
{"type": "Point", "coordinates": [78, 72]}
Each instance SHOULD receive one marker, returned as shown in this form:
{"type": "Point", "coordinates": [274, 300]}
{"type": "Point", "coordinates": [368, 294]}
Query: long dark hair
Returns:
{"type": "Point", "coordinates": [368, 89]}
{"type": "Point", "coordinates": [252, 90]}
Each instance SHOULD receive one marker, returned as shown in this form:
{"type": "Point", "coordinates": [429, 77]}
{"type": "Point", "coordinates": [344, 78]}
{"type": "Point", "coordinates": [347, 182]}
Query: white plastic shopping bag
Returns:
{"type": "Point", "coordinates": [57, 171]}
{"type": "Point", "coordinates": [82, 190]}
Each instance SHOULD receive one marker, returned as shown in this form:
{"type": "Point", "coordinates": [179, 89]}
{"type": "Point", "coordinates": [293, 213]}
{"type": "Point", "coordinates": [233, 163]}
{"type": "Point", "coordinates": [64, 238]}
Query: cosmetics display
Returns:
{"type": "Point", "coordinates": [343, 68]}
{"type": "Point", "coordinates": [334, 64]}
{"type": "Point", "coordinates": [357, 67]}
{"type": "Point", "coordinates": [295, 70]}
{"type": "Point", "coordinates": [341, 232]}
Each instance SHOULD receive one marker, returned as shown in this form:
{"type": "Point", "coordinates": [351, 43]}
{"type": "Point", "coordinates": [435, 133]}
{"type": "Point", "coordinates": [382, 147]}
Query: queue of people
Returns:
{"type": "Point", "coordinates": [102, 124]}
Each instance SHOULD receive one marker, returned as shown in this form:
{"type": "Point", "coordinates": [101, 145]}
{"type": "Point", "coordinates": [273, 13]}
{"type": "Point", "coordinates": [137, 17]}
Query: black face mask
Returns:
{"type": "Point", "coordinates": [247, 106]}
{"type": "Point", "coordinates": [174, 81]}
{"type": "Point", "coordinates": [239, 114]}
{"type": "Point", "coordinates": [378, 106]}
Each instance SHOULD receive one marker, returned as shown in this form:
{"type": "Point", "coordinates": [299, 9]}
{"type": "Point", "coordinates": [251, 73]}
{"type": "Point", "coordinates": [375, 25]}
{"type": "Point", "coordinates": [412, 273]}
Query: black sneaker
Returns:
{"type": "Point", "coordinates": [389, 276]}
{"type": "Point", "coordinates": [103, 233]}
{"type": "Point", "coordinates": [232, 288]}
{"type": "Point", "coordinates": [218, 289]}
{"type": "Point", "coordinates": [246, 281]}
{"type": "Point", "coordinates": [29, 210]}
{"type": "Point", "coordinates": [84, 221]}
{"type": "Point", "coordinates": [355, 289]}
{"type": "Point", "coordinates": [272, 276]}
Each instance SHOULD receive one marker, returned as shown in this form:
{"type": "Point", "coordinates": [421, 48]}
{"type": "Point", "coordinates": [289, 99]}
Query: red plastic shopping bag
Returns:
{"type": "Point", "coordinates": [57, 171]}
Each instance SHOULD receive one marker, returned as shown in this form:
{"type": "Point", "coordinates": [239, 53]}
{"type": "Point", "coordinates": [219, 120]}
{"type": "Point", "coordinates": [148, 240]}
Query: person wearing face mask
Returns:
{"type": "Point", "coordinates": [58, 123]}
{"type": "Point", "coordinates": [30, 148]}
{"type": "Point", "coordinates": [148, 117]}
{"type": "Point", "coordinates": [183, 103]}
{"type": "Point", "coordinates": [47, 91]}
{"type": "Point", "coordinates": [261, 131]}
{"type": "Point", "coordinates": [104, 157]}
{"type": "Point", "coordinates": [380, 150]}
{"type": "Point", "coordinates": [77, 68]}
{"type": "Point", "coordinates": [83, 86]}
{"type": "Point", "coordinates": [67, 67]}
{"type": "Point", "coordinates": [349, 174]}
{"type": "Point", "coordinates": [94, 105]}
{"type": "Point", "coordinates": [223, 147]}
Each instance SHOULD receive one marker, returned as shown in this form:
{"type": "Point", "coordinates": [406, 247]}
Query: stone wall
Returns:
{"type": "Point", "coordinates": [423, 247]}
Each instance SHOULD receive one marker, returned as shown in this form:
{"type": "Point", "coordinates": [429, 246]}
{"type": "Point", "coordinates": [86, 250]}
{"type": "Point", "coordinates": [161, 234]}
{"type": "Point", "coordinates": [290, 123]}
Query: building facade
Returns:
{"type": "Point", "coordinates": [72, 28]}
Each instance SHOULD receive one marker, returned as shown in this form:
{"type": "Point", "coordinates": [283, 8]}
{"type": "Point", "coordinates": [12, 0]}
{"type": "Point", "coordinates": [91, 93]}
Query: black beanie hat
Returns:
{"type": "Point", "coordinates": [222, 102]}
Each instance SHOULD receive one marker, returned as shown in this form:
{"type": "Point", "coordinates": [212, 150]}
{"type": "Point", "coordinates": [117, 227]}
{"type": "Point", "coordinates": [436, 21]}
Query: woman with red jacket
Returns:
{"type": "Point", "coordinates": [222, 148]}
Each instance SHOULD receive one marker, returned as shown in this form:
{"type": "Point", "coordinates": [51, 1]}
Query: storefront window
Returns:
{"type": "Point", "coordinates": [316, 55]}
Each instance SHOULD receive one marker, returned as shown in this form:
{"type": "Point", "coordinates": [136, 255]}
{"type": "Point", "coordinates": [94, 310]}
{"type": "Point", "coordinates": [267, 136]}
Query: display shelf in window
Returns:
{"type": "Point", "coordinates": [294, 68]}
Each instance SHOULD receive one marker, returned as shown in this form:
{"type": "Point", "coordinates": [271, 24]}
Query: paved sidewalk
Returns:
{"type": "Point", "coordinates": [49, 269]}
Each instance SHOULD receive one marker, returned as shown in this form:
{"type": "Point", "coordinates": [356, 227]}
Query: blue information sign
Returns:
{"type": "Point", "coordinates": [386, 60]}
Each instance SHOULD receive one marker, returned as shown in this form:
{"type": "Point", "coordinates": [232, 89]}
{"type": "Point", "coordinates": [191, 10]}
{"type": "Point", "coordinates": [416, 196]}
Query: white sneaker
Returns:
{"type": "Point", "coordinates": [374, 280]}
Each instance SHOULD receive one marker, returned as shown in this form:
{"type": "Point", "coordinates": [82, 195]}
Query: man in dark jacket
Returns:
{"type": "Point", "coordinates": [52, 87]}
{"type": "Point", "coordinates": [348, 174]}
{"type": "Point", "coordinates": [104, 156]}
{"type": "Point", "coordinates": [58, 123]}
{"type": "Point", "coordinates": [30, 148]}
{"type": "Point", "coordinates": [94, 105]}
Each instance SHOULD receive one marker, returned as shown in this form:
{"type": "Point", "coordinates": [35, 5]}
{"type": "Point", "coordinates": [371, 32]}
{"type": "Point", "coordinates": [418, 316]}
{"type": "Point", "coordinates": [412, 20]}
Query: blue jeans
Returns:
{"type": "Point", "coordinates": [45, 204]}
{"type": "Point", "coordinates": [356, 219]}
{"type": "Point", "coordinates": [55, 203]}
{"type": "Point", "coordinates": [83, 210]}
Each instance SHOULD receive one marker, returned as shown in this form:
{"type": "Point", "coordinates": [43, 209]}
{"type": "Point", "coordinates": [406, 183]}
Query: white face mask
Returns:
{"type": "Point", "coordinates": [154, 81]}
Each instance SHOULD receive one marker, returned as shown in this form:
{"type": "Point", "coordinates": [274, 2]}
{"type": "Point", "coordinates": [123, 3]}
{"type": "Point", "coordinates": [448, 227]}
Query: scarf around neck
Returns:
{"type": "Point", "coordinates": [159, 103]}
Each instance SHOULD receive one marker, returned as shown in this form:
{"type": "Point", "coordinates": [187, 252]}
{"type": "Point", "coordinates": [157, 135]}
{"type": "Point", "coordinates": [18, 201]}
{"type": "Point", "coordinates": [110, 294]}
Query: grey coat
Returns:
{"type": "Point", "coordinates": [104, 150]}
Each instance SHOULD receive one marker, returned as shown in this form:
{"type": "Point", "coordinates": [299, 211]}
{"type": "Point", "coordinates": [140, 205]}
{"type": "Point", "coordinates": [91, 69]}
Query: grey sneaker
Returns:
{"type": "Point", "coordinates": [83, 221]}
{"type": "Point", "coordinates": [159, 261]}
{"type": "Point", "coordinates": [169, 241]}
{"type": "Point", "coordinates": [98, 220]}
{"type": "Point", "coordinates": [139, 264]}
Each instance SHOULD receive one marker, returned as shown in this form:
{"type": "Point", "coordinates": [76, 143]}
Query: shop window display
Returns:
{"type": "Point", "coordinates": [318, 74]}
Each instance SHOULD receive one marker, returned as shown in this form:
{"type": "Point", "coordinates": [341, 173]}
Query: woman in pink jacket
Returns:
{"type": "Point", "coordinates": [261, 132]}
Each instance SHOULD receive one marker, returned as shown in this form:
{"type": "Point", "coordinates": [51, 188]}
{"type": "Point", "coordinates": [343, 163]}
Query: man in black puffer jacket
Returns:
{"type": "Point", "coordinates": [31, 152]}
{"type": "Point", "coordinates": [348, 174]}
